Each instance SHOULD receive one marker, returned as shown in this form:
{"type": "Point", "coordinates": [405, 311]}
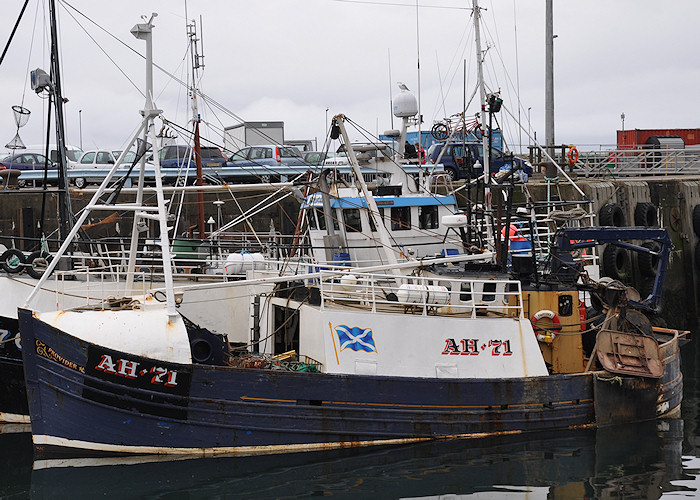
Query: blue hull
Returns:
{"type": "Point", "coordinates": [79, 403]}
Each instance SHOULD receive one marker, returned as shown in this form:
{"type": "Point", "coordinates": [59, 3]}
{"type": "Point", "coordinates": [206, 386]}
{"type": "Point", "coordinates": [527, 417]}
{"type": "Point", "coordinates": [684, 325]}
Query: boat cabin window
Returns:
{"type": "Point", "coordinates": [428, 217]}
{"type": "Point", "coordinates": [400, 218]}
{"type": "Point", "coordinates": [351, 218]}
{"type": "Point", "coordinates": [465, 292]}
{"type": "Point", "coordinates": [322, 220]}
{"type": "Point", "coordinates": [311, 215]}
{"type": "Point", "coordinates": [489, 292]}
{"type": "Point", "coordinates": [372, 226]}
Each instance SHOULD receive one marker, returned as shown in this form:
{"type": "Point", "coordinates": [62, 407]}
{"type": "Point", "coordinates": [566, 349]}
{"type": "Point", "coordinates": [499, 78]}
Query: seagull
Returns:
{"type": "Point", "coordinates": [402, 86]}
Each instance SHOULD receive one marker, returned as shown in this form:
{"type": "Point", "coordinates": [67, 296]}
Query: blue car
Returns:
{"type": "Point", "coordinates": [176, 157]}
{"type": "Point", "coordinates": [26, 161]}
{"type": "Point", "coordinates": [459, 160]}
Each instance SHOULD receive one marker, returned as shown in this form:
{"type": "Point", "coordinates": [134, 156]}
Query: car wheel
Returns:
{"type": "Point", "coordinates": [80, 182]}
{"type": "Point", "coordinates": [451, 173]}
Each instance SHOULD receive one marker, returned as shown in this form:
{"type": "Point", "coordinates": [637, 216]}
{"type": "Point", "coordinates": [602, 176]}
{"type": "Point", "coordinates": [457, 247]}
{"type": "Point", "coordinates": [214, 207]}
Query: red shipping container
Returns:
{"type": "Point", "coordinates": [627, 139]}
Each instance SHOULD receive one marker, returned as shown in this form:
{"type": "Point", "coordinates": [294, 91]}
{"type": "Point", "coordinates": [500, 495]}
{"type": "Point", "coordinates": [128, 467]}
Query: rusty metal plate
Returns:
{"type": "Point", "coordinates": [629, 354]}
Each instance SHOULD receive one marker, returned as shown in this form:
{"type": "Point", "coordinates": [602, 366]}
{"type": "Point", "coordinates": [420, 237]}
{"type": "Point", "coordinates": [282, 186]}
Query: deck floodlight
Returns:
{"type": "Point", "coordinates": [40, 80]}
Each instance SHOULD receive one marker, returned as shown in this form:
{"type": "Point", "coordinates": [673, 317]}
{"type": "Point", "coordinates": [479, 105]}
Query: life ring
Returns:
{"type": "Point", "coordinates": [548, 333]}
{"type": "Point", "coordinates": [573, 154]}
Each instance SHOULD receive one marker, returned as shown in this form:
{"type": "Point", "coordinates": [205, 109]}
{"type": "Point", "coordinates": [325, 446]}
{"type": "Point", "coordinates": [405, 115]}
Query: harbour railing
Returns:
{"type": "Point", "coordinates": [637, 162]}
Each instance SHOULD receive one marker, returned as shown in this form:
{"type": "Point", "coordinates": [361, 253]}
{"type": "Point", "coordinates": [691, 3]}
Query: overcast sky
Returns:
{"type": "Point", "coordinates": [291, 60]}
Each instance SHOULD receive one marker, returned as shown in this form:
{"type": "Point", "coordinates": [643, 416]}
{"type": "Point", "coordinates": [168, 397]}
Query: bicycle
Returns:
{"type": "Point", "coordinates": [456, 125]}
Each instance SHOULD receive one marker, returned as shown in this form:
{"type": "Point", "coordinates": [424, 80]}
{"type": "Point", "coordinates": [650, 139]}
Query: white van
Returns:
{"type": "Point", "coordinates": [73, 153]}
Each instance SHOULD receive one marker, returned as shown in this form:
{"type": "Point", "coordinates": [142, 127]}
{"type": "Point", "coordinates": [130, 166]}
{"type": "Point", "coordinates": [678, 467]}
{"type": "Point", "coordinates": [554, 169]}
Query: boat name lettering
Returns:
{"type": "Point", "coordinates": [384, 202]}
{"type": "Point", "coordinates": [471, 347]}
{"type": "Point", "coordinates": [130, 369]}
{"type": "Point", "coordinates": [45, 351]}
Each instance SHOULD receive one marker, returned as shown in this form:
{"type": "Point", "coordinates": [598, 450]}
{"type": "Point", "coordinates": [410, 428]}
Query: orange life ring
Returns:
{"type": "Point", "coordinates": [546, 334]}
{"type": "Point", "coordinates": [573, 154]}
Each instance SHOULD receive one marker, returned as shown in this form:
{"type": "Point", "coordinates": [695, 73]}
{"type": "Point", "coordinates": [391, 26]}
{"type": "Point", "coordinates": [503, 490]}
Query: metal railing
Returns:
{"type": "Point", "coordinates": [635, 162]}
{"type": "Point", "coordinates": [422, 295]}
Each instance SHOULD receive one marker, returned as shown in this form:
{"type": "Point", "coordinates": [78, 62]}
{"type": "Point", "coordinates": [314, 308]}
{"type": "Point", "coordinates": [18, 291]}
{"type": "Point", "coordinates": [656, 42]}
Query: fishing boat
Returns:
{"type": "Point", "coordinates": [356, 357]}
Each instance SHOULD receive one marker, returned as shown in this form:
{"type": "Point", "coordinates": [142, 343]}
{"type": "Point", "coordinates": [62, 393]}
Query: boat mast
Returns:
{"type": "Point", "coordinates": [384, 238]}
{"type": "Point", "coordinates": [476, 12]}
{"type": "Point", "coordinates": [196, 64]}
{"type": "Point", "coordinates": [64, 208]}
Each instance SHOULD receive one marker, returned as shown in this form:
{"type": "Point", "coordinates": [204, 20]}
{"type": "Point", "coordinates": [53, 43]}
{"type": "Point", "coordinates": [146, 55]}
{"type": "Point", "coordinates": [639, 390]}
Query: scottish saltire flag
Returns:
{"type": "Point", "coordinates": [355, 338]}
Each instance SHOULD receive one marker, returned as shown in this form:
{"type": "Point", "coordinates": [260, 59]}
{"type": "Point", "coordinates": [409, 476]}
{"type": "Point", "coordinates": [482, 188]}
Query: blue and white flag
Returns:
{"type": "Point", "coordinates": [355, 338]}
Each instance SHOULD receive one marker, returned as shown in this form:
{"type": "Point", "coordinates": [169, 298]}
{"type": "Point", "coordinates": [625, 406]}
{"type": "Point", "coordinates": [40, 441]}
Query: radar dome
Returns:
{"type": "Point", "coordinates": [405, 104]}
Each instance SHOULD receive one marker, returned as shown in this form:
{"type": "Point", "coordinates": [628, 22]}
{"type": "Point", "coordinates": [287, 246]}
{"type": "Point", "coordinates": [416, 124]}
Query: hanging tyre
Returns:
{"type": "Point", "coordinates": [648, 263]}
{"type": "Point", "coordinates": [697, 256]}
{"type": "Point", "coordinates": [696, 220]}
{"type": "Point", "coordinates": [616, 263]}
{"type": "Point", "coordinates": [612, 215]}
{"type": "Point", "coordinates": [12, 261]}
{"type": "Point", "coordinates": [645, 215]}
{"type": "Point", "coordinates": [36, 264]}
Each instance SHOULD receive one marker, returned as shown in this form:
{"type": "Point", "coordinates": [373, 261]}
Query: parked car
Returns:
{"type": "Point", "coordinates": [270, 155]}
{"type": "Point", "coordinates": [26, 161]}
{"type": "Point", "coordinates": [103, 159]}
{"type": "Point", "coordinates": [100, 160]}
{"type": "Point", "coordinates": [314, 157]}
{"type": "Point", "coordinates": [174, 156]}
{"type": "Point", "coordinates": [459, 157]}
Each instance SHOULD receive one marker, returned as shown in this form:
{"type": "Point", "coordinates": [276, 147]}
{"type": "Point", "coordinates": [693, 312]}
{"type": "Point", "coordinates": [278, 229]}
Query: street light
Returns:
{"type": "Point", "coordinates": [529, 127]}
{"type": "Point", "coordinates": [622, 117]}
{"type": "Point", "coordinates": [326, 124]}
{"type": "Point", "coordinates": [80, 123]}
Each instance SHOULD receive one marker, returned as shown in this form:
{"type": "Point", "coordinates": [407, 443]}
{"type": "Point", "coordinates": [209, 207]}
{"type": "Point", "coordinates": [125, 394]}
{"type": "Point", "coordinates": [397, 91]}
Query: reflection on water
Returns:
{"type": "Point", "coordinates": [638, 461]}
{"type": "Point", "coordinates": [645, 461]}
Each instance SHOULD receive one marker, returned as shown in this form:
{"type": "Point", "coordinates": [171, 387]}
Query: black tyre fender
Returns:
{"type": "Point", "coordinates": [645, 215]}
{"type": "Point", "coordinates": [616, 263]}
{"type": "Point", "coordinates": [12, 261]}
{"type": "Point", "coordinates": [649, 264]}
{"type": "Point", "coordinates": [36, 264]}
{"type": "Point", "coordinates": [696, 220]}
{"type": "Point", "coordinates": [612, 215]}
{"type": "Point", "coordinates": [697, 257]}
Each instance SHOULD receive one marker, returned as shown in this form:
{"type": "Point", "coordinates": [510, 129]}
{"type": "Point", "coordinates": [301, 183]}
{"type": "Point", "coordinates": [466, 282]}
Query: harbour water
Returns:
{"type": "Point", "coordinates": [646, 461]}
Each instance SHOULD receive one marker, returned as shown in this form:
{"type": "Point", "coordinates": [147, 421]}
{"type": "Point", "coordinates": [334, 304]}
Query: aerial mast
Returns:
{"type": "Point", "coordinates": [476, 12]}
{"type": "Point", "coordinates": [64, 208]}
{"type": "Point", "coordinates": [197, 63]}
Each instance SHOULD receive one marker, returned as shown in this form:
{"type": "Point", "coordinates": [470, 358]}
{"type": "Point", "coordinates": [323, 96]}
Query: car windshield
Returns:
{"type": "Point", "coordinates": [290, 153]}
{"type": "Point", "coordinates": [73, 154]}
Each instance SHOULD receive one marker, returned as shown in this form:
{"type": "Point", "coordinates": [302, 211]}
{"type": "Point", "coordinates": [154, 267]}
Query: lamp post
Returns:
{"type": "Point", "coordinates": [80, 125]}
{"type": "Point", "coordinates": [622, 117]}
{"type": "Point", "coordinates": [326, 124]}
{"type": "Point", "coordinates": [529, 127]}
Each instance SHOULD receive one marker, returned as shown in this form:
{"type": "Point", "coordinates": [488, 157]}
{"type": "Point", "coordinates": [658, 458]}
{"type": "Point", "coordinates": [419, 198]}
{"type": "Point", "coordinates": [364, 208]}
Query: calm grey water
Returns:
{"type": "Point", "coordinates": [647, 461]}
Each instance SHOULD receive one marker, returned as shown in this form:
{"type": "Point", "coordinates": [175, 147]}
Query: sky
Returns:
{"type": "Point", "coordinates": [303, 61]}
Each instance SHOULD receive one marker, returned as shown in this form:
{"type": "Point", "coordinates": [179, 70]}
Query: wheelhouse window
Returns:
{"type": "Point", "coordinates": [400, 218]}
{"type": "Point", "coordinates": [428, 217]}
{"type": "Point", "coordinates": [351, 218]}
